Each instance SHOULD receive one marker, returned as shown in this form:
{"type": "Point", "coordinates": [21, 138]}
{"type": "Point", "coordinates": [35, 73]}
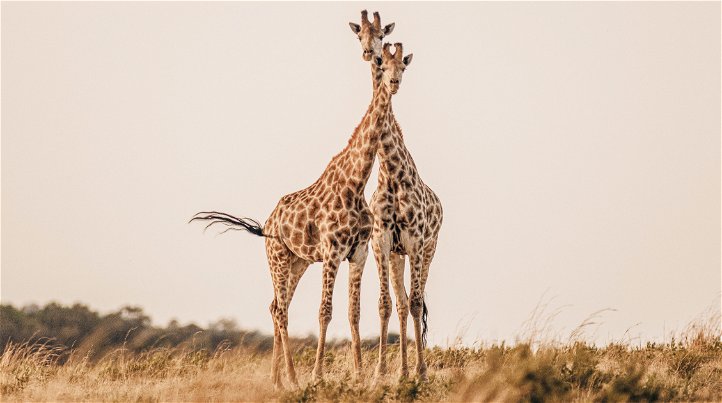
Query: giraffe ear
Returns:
{"type": "Point", "coordinates": [407, 58]}
{"type": "Point", "coordinates": [389, 28]}
{"type": "Point", "coordinates": [356, 28]}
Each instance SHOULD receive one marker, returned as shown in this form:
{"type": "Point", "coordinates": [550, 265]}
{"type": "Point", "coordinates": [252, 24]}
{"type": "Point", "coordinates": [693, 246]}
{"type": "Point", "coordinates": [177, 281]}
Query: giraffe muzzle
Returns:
{"type": "Point", "coordinates": [394, 86]}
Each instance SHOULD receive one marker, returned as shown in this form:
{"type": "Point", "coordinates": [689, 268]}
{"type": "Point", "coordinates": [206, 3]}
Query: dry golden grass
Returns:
{"type": "Point", "coordinates": [688, 369]}
{"type": "Point", "coordinates": [540, 366]}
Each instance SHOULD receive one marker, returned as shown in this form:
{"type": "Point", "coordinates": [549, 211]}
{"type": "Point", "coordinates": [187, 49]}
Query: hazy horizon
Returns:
{"type": "Point", "coordinates": [575, 148]}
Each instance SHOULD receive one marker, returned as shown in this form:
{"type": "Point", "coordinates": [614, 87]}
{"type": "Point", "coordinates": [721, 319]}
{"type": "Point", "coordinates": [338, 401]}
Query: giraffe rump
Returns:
{"type": "Point", "coordinates": [231, 222]}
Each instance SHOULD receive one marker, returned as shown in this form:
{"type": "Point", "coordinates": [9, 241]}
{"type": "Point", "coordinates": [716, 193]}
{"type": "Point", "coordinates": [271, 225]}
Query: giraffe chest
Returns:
{"type": "Point", "coordinates": [402, 213]}
{"type": "Point", "coordinates": [398, 192]}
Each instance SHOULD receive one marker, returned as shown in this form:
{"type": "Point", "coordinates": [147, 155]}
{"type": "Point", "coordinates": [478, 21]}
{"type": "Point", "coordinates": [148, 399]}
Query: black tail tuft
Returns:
{"type": "Point", "coordinates": [424, 325]}
{"type": "Point", "coordinates": [233, 223]}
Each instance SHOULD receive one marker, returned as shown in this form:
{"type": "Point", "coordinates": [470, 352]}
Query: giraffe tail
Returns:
{"type": "Point", "coordinates": [424, 324]}
{"type": "Point", "coordinates": [231, 222]}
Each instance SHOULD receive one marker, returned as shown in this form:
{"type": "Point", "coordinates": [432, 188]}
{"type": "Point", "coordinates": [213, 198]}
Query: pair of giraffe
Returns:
{"type": "Point", "coordinates": [330, 221]}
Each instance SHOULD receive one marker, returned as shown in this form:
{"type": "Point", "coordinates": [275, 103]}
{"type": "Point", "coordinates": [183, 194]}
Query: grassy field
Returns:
{"type": "Point", "coordinates": [687, 369]}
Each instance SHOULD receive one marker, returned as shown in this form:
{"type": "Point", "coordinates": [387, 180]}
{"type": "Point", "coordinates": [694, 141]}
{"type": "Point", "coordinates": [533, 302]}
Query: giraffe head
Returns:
{"type": "Point", "coordinates": [370, 34]}
{"type": "Point", "coordinates": [392, 66]}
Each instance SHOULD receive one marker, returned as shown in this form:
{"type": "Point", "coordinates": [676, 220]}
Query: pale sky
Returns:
{"type": "Point", "coordinates": [575, 148]}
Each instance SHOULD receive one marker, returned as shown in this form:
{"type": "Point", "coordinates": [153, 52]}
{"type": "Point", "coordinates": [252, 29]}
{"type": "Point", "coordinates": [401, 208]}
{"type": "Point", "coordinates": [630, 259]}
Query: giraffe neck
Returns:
{"type": "Point", "coordinates": [381, 102]}
{"type": "Point", "coordinates": [379, 123]}
{"type": "Point", "coordinates": [375, 77]}
{"type": "Point", "coordinates": [391, 150]}
{"type": "Point", "coordinates": [389, 138]}
{"type": "Point", "coordinates": [357, 159]}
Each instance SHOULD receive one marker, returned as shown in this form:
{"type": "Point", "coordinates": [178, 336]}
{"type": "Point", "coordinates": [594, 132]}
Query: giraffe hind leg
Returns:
{"type": "Point", "coordinates": [279, 261]}
{"type": "Point", "coordinates": [429, 252]}
{"type": "Point", "coordinates": [298, 268]}
{"type": "Point", "coordinates": [416, 308]}
{"type": "Point", "coordinates": [402, 308]}
{"type": "Point", "coordinates": [276, 360]}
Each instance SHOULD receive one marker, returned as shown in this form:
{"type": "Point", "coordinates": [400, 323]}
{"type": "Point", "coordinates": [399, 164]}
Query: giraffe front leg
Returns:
{"type": "Point", "coordinates": [402, 308]}
{"type": "Point", "coordinates": [381, 244]}
{"type": "Point", "coordinates": [330, 268]}
{"type": "Point", "coordinates": [356, 268]}
{"type": "Point", "coordinates": [416, 307]}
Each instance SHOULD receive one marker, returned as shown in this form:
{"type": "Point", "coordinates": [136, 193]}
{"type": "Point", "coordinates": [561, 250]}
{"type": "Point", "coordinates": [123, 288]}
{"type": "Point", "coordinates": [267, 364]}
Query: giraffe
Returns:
{"type": "Point", "coordinates": [327, 222]}
{"type": "Point", "coordinates": [407, 220]}
{"type": "Point", "coordinates": [407, 217]}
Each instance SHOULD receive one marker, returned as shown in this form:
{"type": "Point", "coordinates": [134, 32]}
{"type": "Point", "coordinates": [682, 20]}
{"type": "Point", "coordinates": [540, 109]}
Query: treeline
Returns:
{"type": "Point", "coordinates": [90, 333]}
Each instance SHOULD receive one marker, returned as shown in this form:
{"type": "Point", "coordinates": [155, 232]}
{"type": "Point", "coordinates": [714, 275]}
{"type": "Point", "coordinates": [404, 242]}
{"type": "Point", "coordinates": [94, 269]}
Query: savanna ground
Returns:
{"type": "Point", "coordinates": [688, 367]}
